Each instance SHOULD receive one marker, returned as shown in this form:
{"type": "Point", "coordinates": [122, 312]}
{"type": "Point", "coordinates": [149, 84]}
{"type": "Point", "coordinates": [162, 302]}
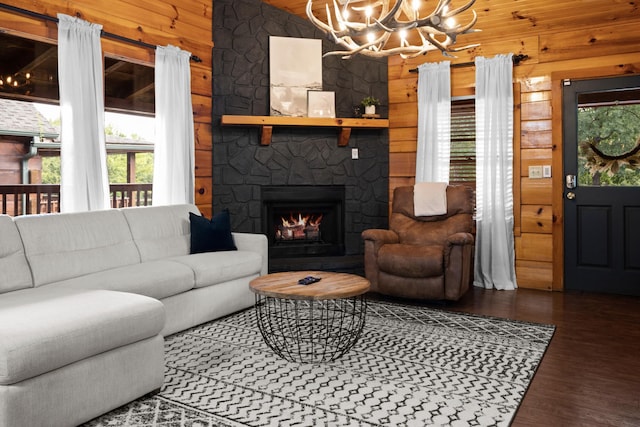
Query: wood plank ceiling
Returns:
{"type": "Point", "coordinates": [502, 18]}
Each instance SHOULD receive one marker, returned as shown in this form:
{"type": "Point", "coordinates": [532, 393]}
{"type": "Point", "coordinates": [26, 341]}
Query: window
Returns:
{"type": "Point", "coordinates": [462, 167]}
{"type": "Point", "coordinates": [29, 77]}
{"type": "Point", "coordinates": [28, 69]}
{"type": "Point", "coordinates": [128, 87]}
{"type": "Point", "coordinates": [129, 148]}
{"type": "Point", "coordinates": [29, 72]}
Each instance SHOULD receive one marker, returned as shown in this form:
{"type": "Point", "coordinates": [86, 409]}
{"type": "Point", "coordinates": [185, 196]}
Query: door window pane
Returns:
{"type": "Point", "coordinates": [609, 138]}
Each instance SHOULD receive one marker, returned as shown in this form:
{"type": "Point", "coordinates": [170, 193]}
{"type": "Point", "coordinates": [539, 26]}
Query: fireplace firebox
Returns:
{"type": "Point", "coordinates": [303, 221]}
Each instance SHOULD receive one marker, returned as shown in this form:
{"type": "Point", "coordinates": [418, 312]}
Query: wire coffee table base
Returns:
{"type": "Point", "coordinates": [310, 331]}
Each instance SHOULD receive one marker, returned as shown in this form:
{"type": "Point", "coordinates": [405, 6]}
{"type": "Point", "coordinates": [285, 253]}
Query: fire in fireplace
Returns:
{"type": "Point", "coordinates": [299, 227]}
{"type": "Point", "coordinates": [303, 221]}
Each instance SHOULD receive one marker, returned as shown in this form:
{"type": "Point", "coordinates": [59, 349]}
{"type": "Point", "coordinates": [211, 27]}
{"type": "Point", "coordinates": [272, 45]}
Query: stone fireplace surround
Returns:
{"type": "Point", "coordinates": [296, 156]}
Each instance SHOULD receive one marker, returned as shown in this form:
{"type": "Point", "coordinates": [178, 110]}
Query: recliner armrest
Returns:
{"type": "Point", "coordinates": [460, 239]}
{"type": "Point", "coordinates": [458, 264]}
{"type": "Point", "coordinates": [381, 236]}
{"type": "Point", "coordinates": [374, 239]}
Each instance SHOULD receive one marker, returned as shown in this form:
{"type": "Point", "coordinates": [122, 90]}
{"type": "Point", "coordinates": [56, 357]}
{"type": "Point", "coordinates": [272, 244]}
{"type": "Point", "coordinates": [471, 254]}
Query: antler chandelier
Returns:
{"type": "Point", "coordinates": [366, 27]}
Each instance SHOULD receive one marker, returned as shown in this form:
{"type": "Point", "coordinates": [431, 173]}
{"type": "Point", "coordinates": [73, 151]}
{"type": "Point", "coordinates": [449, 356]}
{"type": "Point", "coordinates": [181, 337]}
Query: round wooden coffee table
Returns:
{"type": "Point", "coordinates": [312, 323]}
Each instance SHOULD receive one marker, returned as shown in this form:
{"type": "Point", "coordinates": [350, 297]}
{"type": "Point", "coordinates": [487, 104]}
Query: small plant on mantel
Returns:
{"type": "Point", "coordinates": [369, 104]}
{"type": "Point", "coordinates": [369, 101]}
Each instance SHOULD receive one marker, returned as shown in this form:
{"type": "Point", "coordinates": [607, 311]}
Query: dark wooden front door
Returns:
{"type": "Point", "coordinates": [601, 121]}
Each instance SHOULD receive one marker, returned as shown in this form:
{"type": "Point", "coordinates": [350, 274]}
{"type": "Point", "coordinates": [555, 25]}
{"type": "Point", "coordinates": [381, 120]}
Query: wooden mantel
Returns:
{"type": "Point", "coordinates": [267, 123]}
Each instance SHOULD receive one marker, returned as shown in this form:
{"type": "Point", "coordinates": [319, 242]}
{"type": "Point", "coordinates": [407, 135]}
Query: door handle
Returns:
{"type": "Point", "coordinates": [571, 195]}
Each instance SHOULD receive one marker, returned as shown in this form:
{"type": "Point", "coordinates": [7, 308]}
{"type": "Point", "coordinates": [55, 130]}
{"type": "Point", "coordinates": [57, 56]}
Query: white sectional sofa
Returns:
{"type": "Point", "coordinates": [86, 299]}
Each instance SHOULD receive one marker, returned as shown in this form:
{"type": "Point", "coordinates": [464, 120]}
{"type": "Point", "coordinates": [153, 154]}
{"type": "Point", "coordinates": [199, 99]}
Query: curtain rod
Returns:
{"type": "Point", "coordinates": [516, 61]}
{"type": "Point", "coordinates": [103, 33]}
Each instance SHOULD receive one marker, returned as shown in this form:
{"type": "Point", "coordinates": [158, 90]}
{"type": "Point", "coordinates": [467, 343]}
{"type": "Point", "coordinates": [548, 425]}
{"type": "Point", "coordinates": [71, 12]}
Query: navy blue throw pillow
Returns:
{"type": "Point", "coordinates": [211, 235]}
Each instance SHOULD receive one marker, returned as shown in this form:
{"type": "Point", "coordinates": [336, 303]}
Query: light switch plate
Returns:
{"type": "Point", "coordinates": [546, 171]}
{"type": "Point", "coordinates": [354, 153]}
{"type": "Point", "coordinates": [535, 172]}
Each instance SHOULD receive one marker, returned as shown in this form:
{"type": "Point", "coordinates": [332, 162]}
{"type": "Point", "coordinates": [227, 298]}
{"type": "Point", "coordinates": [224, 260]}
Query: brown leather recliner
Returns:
{"type": "Point", "coordinates": [427, 258]}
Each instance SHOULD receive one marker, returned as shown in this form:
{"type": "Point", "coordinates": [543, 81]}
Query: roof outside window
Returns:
{"type": "Point", "coordinates": [19, 118]}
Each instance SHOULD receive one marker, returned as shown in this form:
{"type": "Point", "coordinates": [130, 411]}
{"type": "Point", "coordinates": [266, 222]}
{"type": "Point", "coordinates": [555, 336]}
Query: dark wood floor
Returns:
{"type": "Point", "coordinates": [590, 374]}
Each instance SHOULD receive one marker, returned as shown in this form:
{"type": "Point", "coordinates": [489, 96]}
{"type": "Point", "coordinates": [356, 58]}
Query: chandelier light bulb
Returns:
{"type": "Point", "coordinates": [28, 75]}
{"type": "Point", "coordinates": [403, 38]}
{"type": "Point", "coordinates": [416, 8]}
{"type": "Point", "coordinates": [450, 23]}
{"type": "Point", "coordinates": [9, 79]}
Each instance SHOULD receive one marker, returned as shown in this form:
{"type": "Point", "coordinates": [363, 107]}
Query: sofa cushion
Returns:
{"type": "Point", "coordinates": [160, 231]}
{"type": "Point", "coordinates": [211, 268]}
{"type": "Point", "coordinates": [46, 328]}
{"type": "Point", "coordinates": [155, 279]}
{"type": "Point", "coordinates": [211, 235]}
{"type": "Point", "coordinates": [63, 246]}
{"type": "Point", "coordinates": [14, 270]}
{"type": "Point", "coordinates": [411, 260]}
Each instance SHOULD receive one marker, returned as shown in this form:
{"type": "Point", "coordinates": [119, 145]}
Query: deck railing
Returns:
{"type": "Point", "coordinates": [29, 199]}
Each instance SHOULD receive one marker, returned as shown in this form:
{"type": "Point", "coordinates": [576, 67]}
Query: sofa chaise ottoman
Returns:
{"type": "Point", "coordinates": [67, 353]}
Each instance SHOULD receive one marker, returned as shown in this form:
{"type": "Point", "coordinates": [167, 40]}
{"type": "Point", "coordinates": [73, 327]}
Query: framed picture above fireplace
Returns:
{"type": "Point", "coordinates": [295, 67]}
{"type": "Point", "coordinates": [321, 104]}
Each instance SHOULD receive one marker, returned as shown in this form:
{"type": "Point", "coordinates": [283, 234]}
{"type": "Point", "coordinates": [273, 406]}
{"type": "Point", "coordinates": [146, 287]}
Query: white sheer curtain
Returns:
{"type": "Point", "coordinates": [434, 122]}
{"type": "Point", "coordinates": [174, 158]}
{"type": "Point", "coordinates": [84, 183]}
{"type": "Point", "coordinates": [494, 254]}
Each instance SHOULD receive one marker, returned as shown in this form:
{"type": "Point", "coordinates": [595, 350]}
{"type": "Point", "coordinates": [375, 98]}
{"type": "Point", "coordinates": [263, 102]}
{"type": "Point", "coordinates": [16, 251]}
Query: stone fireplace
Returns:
{"type": "Point", "coordinates": [244, 172]}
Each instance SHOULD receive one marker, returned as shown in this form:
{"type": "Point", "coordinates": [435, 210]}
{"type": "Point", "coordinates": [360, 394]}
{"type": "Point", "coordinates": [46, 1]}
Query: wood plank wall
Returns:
{"type": "Point", "coordinates": [598, 39]}
{"type": "Point", "coordinates": [186, 24]}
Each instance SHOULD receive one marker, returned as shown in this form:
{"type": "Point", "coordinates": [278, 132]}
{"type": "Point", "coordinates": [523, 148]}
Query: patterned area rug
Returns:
{"type": "Point", "coordinates": [413, 366]}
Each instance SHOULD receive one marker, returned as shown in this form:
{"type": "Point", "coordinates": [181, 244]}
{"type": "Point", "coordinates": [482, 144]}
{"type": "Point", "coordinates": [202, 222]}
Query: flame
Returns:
{"type": "Point", "coordinates": [303, 221]}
